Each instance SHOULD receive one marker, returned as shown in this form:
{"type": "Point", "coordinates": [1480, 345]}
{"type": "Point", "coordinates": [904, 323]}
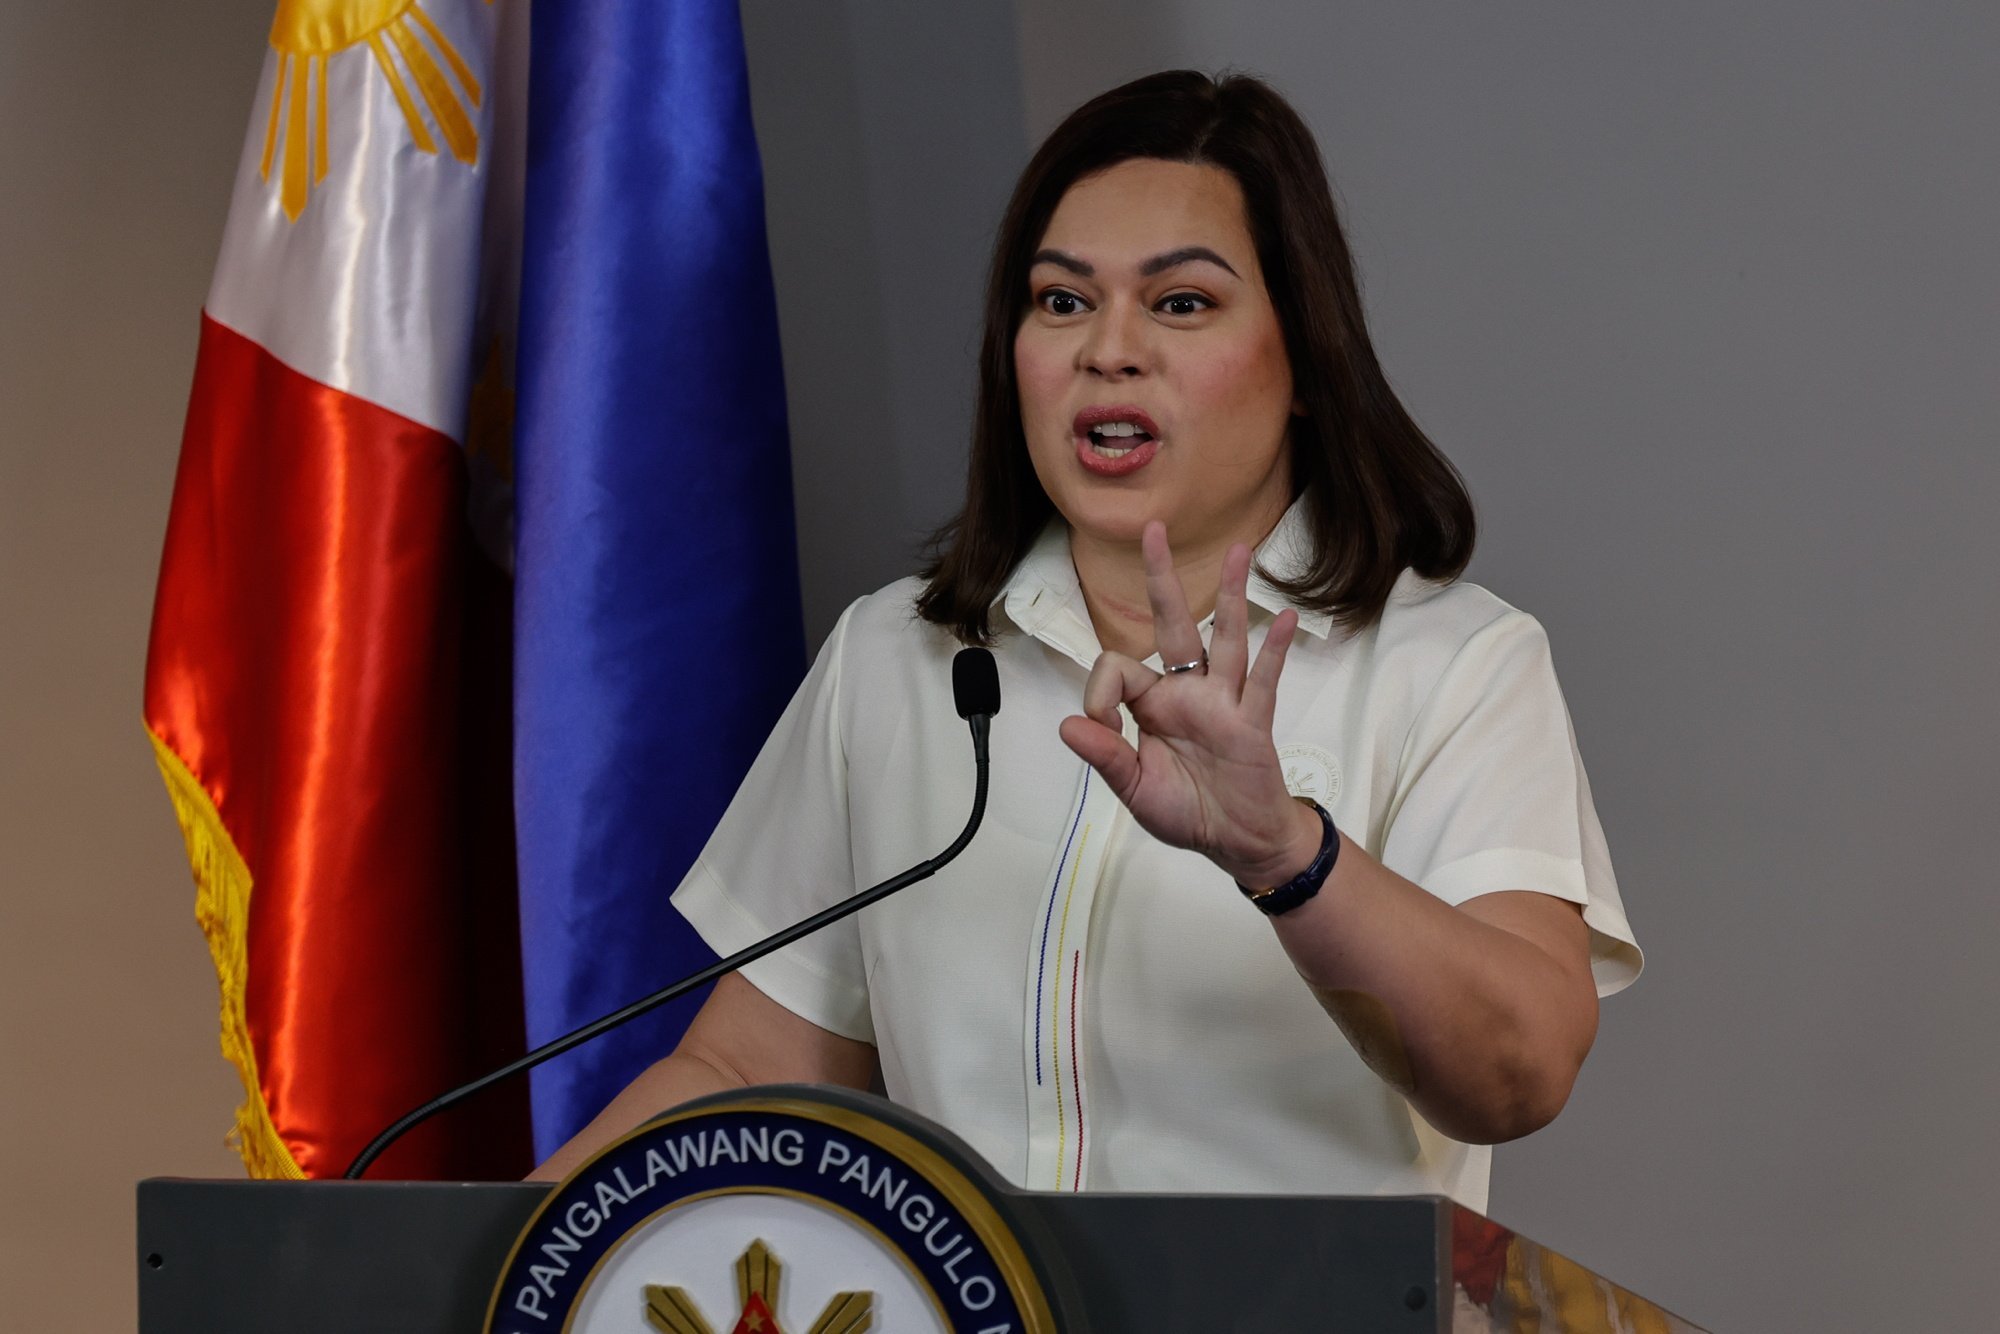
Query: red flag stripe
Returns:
{"type": "Point", "coordinates": [304, 668]}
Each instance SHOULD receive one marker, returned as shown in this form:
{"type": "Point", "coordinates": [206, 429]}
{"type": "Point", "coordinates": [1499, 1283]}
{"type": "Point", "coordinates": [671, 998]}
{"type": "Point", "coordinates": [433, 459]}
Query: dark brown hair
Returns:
{"type": "Point", "coordinates": [1379, 494]}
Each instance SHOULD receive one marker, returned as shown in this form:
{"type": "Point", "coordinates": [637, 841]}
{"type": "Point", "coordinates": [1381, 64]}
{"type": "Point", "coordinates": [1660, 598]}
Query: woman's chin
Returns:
{"type": "Point", "coordinates": [1115, 516]}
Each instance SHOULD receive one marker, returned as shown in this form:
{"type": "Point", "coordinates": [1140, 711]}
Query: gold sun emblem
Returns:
{"type": "Point", "coordinates": [305, 32]}
{"type": "Point", "coordinates": [672, 1311]}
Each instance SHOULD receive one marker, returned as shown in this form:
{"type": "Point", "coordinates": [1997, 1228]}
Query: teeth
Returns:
{"type": "Point", "coordinates": [1114, 428]}
{"type": "Point", "coordinates": [1108, 452]}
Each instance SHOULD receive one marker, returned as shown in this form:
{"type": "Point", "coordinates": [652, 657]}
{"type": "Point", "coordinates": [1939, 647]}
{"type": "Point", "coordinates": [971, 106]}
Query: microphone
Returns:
{"type": "Point", "coordinates": [975, 692]}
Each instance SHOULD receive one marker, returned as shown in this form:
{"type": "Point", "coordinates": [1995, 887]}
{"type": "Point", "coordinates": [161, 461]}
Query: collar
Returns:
{"type": "Point", "coordinates": [1044, 599]}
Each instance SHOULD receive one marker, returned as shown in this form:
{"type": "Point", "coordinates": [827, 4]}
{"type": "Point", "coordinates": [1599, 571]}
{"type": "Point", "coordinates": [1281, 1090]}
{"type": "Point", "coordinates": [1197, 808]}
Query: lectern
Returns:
{"type": "Point", "coordinates": [805, 1210]}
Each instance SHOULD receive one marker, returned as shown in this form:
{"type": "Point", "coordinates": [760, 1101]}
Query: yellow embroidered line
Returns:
{"type": "Point", "coordinates": [222, 907]}
{"type": "Point", "coordinates": [1055, 1006]}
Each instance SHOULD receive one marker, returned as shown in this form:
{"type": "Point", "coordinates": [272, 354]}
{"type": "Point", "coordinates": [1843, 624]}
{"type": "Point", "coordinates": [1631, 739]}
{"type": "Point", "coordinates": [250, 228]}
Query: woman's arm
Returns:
{"type": "Point", "coordinates": [1480, 1015]}
{"type": "Point", "coordinates": [740, 1037]}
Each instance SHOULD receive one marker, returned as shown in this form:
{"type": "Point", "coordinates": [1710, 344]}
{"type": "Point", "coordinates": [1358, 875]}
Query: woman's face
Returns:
{"type": "Point", "coordinates": [1153, 377]}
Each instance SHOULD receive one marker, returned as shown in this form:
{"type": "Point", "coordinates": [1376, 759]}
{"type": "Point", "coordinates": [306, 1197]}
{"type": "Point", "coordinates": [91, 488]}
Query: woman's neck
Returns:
{"type": "Point", "coordinates": [1113, 577]}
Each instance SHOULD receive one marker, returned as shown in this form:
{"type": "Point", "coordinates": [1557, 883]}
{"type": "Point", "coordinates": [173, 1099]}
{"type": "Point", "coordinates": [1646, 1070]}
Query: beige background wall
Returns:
{"type": "Point", "coordinates": [118, 133]}
{"type": "Point", "coordinates": [1705, 302]}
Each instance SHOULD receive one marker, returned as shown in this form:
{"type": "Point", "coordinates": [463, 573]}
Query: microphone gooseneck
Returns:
{"type": "Point", "coordinates": [975, 686]}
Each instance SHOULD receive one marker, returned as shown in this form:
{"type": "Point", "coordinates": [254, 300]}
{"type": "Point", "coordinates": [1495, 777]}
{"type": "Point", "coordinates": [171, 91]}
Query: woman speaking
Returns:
{"type": "Point", "coordinates": [1290, 879]}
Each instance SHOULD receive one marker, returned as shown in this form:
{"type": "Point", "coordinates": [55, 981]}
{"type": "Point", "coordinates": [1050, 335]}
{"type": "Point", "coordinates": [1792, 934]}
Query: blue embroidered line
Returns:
{"type": "Point", "coordinates": [1042, 963]}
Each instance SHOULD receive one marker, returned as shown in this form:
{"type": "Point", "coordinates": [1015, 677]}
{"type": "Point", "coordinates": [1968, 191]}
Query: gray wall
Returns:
{"type": "Point", "coordinates": [891, 134]}
{"type": "Point", "coordinates": [1705, 303]}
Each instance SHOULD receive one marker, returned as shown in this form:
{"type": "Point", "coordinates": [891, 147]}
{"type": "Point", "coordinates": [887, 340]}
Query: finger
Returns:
{"type": "Point", "coordinates": [1115, 679]}
{"type": "Point", "coordinates": [1260, 692]}
{"type": "Point", "coordinates": [1229, 642]}
{"type": "Point", "coordinates": [1103, 750]}
{"type": "Point", "coordinates": [1174, 630]}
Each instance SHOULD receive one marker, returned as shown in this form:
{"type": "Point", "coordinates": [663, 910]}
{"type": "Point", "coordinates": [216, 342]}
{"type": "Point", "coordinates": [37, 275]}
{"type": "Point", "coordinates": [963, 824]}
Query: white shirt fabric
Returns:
{"type": "Point", "coordinates": [1090, 1008]}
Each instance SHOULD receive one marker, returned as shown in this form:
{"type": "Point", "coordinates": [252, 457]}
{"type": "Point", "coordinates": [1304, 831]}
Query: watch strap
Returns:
{"type": "Point", "coordinates": [1283, 898]}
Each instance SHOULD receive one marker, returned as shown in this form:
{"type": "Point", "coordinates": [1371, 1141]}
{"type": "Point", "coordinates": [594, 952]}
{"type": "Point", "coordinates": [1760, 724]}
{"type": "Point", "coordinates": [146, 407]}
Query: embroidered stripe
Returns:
{"type": "Point", "coordinates": [1062, 1122]}
{"type": "Point", "coordinates": [1055, 1001]}
{"type": "Point", "coordinates": [1041, 964]}
{"type": "Point", "coordinates": [1076, 1068]}
{"type": "Point", "coordinates": [1062, 935]}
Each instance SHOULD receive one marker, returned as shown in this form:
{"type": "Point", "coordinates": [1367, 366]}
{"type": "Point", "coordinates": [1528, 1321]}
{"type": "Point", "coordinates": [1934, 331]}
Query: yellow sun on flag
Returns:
{"type": "Point", "coordinates": [305, 32]}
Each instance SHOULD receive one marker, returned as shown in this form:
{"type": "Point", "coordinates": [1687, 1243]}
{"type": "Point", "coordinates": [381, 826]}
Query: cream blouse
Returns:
{"type": "Point", "coordinates": [1090, 1008]}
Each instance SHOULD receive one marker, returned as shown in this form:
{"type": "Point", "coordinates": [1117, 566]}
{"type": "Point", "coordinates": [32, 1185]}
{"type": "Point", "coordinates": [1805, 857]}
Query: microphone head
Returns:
{"type": "Point", "coordinates": [975, 683]}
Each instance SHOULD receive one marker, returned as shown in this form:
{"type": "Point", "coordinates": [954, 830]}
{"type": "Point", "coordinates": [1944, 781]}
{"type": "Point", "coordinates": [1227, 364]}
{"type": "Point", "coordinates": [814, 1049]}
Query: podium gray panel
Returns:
{"type": "Point", "coordinates": [237, 1257]}
{"type": "Point", "coordinates": [259, 1257]}
{"type": "Point", "coordinates": [1264, 1263]}
{"type": "Point", "coordinates": [232, 1257]}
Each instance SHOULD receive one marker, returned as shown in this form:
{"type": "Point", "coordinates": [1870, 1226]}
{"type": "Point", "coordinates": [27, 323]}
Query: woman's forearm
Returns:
{"type": "Point", "coordinates": [665, 1083]}
{"type": "Point", "coordinates": [739, 1037]}
{"type": "Point", "coordinates": [1480, 1015]}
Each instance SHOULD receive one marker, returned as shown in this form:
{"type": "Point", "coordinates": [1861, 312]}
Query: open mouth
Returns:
{"type": "Point", "coordinates": [1114, 440]}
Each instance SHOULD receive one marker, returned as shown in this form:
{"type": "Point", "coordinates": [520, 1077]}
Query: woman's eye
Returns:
{"type": "Point", "coordinates": [1185, 303]}
{"type": "Point", "coordinates": [1061, 303]}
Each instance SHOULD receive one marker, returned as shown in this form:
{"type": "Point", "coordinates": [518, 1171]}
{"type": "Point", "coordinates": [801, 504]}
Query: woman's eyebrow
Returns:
{"type": "Point", "coordinates": [1063, 261]}
{"type": "Point", "coordinates": [1187, 254]}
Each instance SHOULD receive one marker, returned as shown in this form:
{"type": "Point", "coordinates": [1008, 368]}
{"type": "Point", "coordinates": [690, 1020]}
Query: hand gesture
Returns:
{"type": "Point", "coordinates": [1205, 774]}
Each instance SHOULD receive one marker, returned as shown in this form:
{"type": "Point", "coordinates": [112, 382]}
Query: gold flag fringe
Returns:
{"type": "Point", "coordinates": [222, 907]}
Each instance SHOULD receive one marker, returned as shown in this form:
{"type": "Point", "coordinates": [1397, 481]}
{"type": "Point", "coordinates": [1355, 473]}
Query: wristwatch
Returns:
{"type": "Point", "coordinates": [1283, 898]}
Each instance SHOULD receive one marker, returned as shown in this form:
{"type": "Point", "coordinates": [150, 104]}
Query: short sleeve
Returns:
{"type": "Point", "coordinates": [782, 852]}
{"type": "Point", "coordinates": [1491, 793]}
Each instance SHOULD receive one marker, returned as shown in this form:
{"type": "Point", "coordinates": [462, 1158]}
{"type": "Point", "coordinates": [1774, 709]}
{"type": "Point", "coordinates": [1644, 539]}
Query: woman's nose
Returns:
{"type": "Point", "coordinates": [1114, 345]}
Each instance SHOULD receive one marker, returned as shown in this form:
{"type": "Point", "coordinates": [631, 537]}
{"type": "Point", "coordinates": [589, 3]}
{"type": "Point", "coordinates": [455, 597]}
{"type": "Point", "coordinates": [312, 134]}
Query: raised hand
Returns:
{"type": "Point", "coordinates": [1205, 774]}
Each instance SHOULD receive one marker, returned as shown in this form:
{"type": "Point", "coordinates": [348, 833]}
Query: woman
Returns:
{"type": "Point", "coordinates": [1196, 510]}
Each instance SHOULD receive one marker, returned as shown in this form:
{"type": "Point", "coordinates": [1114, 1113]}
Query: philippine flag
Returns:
{"type": "Point", "coordinates": [328, 684]}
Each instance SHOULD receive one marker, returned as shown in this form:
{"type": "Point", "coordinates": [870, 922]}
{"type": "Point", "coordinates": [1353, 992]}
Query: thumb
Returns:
{"type": "Point", "coordinates": [1103, 750]}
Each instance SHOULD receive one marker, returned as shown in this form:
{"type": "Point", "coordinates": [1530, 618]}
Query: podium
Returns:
{"type": "Point", "coordinates": [237, 1257]}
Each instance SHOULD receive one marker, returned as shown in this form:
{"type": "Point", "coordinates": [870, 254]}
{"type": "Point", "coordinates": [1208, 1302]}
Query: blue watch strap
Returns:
{"type": "Point", "coordinates": [1283, 898]}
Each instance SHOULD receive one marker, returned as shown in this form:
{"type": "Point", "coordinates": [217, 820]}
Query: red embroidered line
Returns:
{"type": "Point", "coordinates": [1076, 1067]}
{"type": "Point", "coordinates": [1042, 959]}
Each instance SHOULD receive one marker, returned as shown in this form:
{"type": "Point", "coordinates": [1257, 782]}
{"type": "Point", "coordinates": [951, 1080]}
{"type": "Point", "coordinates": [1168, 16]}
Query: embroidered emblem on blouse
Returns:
{"type": "Point", "coordinates": [1310, 771]}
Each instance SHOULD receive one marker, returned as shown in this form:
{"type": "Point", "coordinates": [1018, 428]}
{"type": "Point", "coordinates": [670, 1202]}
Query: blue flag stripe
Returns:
{"type": "Point", "coordinates": [658, 632]}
